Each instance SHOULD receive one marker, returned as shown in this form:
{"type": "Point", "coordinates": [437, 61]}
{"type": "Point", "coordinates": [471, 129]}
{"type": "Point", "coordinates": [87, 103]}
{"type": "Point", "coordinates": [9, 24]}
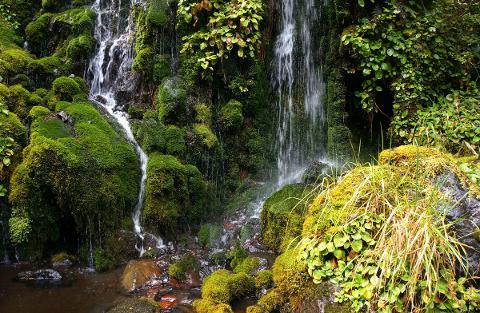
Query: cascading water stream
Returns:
{"type": "Point", "coordinates": [109, 70]}
{"type": "Point", "coordinates": [298, 82]}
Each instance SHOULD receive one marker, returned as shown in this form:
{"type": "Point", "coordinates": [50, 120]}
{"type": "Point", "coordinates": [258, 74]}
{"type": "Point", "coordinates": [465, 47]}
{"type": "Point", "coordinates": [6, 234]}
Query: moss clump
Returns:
{"type": "Point", "coordinates": [203, 113]}
{"type": "Point", "coordinates": [157, 14]}
{"type": "Point", "coordinates": [231, 115]}
{"type": "Point", "coordinates": [283, 215]}
{"type": "Point", "coordinates": [205, 135]}
{"type": "Point", "coordinates": [236, 256]}
{"type": "Point", "coordinates": [174, 193]}
{"type": "Point", "coordinates": [65, 88]}
{"type": "Point", "coordinates": [248, 266]}
{"type": "Point", "coordinates": [270, 302]}
{"type": "Point", "coordinates": [210, 306]}
{"type": "Point", "coordinates": [80, 48]}
{"type": "Point", "coordinates": [161, 67]}
{"type": "Point", "coordinates": [222, 286]}
{"type": "Point", "coordinates": [143, 60]}
{"type": "Point", "coordinates": [174, 140]}
{"type": "Point", "coordinates": [264, 279]}
{"type": "Point", "coordinates": [17, 99]}
{"type": "Point", "coordinates": [62, 161]}
{"type": "Point", "coordinates": [179, 269]}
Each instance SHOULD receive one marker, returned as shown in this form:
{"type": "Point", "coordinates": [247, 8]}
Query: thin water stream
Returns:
{"type": "Point", "coordinates": [109, 71]}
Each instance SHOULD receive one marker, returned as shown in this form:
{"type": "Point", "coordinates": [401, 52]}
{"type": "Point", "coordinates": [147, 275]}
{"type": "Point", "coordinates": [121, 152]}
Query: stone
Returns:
{"type": "Point", "coordinates": [465, 217]}
{"type": "Point", "coordinates": [315, 172]}
{"type": "Point", "coordinates": [137, 273]}
{"type": "Point", "coordinates": [39, 275]}
{"type": "Point", "coordinates": [133, 305]}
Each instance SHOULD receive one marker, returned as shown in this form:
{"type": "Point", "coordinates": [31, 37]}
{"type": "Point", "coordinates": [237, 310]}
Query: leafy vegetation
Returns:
{"type": "Point", "coordinates": [222, 28]}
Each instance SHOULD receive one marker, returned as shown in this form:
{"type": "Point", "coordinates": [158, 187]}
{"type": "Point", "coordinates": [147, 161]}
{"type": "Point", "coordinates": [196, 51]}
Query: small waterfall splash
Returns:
{"type": "Point", "coordinates": [298, 82]}
{"type": "Point", "coordinates": [110, 72]}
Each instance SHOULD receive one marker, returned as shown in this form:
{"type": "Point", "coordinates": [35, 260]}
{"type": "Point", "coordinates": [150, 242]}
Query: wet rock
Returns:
{"type": "Point", "coordinates": [465, 216]}
{"type": "Point", "coordinates": [168, 302]}
{"type": "Point", "coordinates": [133, 305]}
{"type": "Point", "coordinates": [39, 275]}
{"type": "Point", "coordinates": [138, 273]}
{"type": "Point", "coordinates": [316, 172]}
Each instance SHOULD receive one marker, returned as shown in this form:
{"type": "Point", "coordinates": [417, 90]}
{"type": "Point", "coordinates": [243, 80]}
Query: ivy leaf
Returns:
{"type": "Point", "coordinates": [361, 3]}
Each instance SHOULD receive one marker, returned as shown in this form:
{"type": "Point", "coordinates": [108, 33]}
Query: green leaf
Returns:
{"type": "Point", "coordinates": [357, 245]}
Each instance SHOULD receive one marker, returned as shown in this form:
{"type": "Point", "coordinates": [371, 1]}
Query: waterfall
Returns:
{"type": "Point", "coordinates": [297, 80]}
{"type": "Point", "coordinates": [109, 72]}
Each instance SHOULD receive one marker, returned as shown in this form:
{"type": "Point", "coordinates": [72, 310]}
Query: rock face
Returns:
{"type": "Point", "coordinates": [465, 216]}
{"type": "Point", "coordinates": [44, 274]}
{"type": "Point", "coordinates": [138, 273]}
{"type": "Point", "coordinates": [132, 305]}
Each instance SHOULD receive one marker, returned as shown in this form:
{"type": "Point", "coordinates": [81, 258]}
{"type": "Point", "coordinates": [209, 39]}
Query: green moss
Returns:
{"type": "Point", "coordinates": [161, 67]}
{"type": "Point", "coordinates": [14, 61]}
{"type": "Point", "coordinates": [171, 100]}
{"type": "Point", "coordinates": [37, 32]}
{"type": "Point", "coordinates": [65, 88]}
{"type": "Point", "coordinates": [174, 140]}
{"type": "Point", "coordinates": [206, 136]}
{"type": "Point", "coordinates": [236, 256]}
{"type": "Point", "coordinates": [57, 166]}
{"type": "Point", "coordinates": [269, 303]}
{"type": "Point", "coordinates": [175, 192]}
{"type": "Point", "coordinates": [231, 115]}
{"type": "Point", "coordinates": [203, 113]}
{"type": "Point", "coordinates": [248, 266]}
{"type": "Point", "coordinates": [157, 14]}
{"type": "Point", "coordinates": [179, 269]}
{"type": "Point", "coordinates": [264, 279]}
{"type": "Point", "coordinates": [46, 69]}
{"type": "Point", "coordinates": [222, 286]}
{"type": "Point", "coordinates": [18, 98]}
{"type": "Point", "coordinates": [143, 61]}
{"type": "Point", "coordinates": [209, 306]}
{"type": "Point", "coordinates": [80, 48]}
{"type": "Point", "coordinates": [283, 215]}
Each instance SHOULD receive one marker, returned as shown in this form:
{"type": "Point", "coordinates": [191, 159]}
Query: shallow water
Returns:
{"type": "Point", "coordinates": [78, 293]}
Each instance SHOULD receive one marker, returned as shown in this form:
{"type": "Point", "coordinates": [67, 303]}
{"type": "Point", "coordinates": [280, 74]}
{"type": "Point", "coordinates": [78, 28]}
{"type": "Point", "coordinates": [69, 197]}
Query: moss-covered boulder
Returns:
{"type": "Point", "coordinates": [223, 286]}
{"type": "Point", "coordinates": [171, 100]}
{"type": "Point", "coordinates": [283, 215]}
{"type": "Point", "coordinates": [176, 194]}
{"type": "Point", "coordinates": [77, 174]}
{"type": "Point", "coordinates": [65, 88]}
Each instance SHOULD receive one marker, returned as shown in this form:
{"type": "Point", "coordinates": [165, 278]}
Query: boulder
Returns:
{"type": "Point", "coordinates": [465, 217]}
{"type": "Point", "coordinates": [138, 273]}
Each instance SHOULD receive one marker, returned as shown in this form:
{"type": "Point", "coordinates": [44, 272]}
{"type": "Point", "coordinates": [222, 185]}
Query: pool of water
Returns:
{"type": "Point", "coordinates": [79, 292]}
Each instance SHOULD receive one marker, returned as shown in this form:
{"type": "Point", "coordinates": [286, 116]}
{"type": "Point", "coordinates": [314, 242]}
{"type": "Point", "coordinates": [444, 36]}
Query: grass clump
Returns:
{"type": "Point", "coordinates": [381, 234]}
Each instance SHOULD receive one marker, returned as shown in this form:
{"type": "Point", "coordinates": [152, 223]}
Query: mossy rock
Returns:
{"type": "Point", "coordinates": [210, 306]}
{"type": "Point", "coordinates": [174, 140]}
{"type": "Point", "coordinates": [248, 266]}
{"type": "Point", "coordinates": [264, 279]}
{"type": "Point", "coordinates": [283, 215]}
{"type": "Point", "coordinates": [84, 156]}
{"type": "Point", "coordinates": [231, 115]}
{"type": "Point", "coordinates": [65, 88]}
{"type": "Point", "coordinates": [205, 135]}
{"type": "Point", "coordinates": [223, 286]}
{"type": "Point", "coordinates": [80, 48]}
{"type": "Point", "coordinates": [175, 192]}
{"type": "Point", "coordinates": [157, 13]}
